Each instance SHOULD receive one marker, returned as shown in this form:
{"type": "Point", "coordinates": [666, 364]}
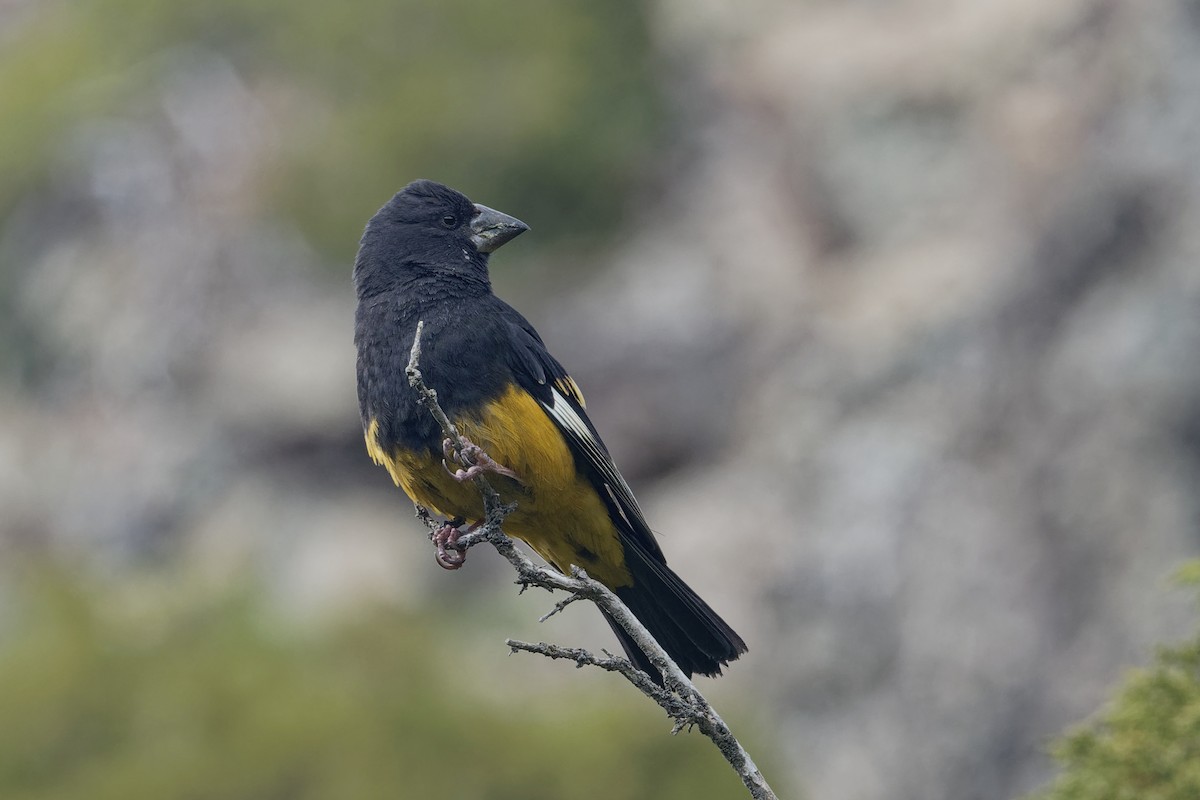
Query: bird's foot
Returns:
{"type": "Point", "coordinates": [473, 452]}
{"type": "Point", "coordinates": [449, 556]}
{"type": "Point", "coordinates": [446, 538]}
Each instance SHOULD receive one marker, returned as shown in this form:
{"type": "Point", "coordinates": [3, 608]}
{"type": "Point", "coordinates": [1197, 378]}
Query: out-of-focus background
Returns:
{"type": "Point", "coordinates": [889, 313]}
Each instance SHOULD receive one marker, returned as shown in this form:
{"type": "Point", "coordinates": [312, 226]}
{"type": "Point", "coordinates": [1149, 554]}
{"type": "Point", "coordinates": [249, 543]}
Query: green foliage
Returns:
{"type": "Point", "coordinates": [167, 693]}
{"type": "Point", "coordinates": [1146, 744]}
{"type": "Point", "coordinates": [548, 108]}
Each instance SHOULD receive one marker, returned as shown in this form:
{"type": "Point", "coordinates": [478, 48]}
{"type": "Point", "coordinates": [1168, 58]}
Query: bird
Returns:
{"type": "Point", "coordinates": [423, 257]}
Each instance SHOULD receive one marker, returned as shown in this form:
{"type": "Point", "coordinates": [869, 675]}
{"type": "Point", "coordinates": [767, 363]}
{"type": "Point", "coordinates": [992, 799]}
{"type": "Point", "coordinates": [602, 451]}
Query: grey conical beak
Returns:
{"type": "Point", "coordinates": [490, 228]}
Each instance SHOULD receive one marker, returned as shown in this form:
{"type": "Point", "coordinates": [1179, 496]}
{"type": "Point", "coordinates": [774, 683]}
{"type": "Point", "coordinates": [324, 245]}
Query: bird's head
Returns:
{"type": "Point", "coordinates": [429, 228]}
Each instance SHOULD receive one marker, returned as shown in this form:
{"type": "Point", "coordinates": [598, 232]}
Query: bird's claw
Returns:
{"type": "Point", "coordinates": [473, 452]}
{"type": "Point", "coordinates": [446, 539]}
{"type": "Point", "coordinates": [449, 555]}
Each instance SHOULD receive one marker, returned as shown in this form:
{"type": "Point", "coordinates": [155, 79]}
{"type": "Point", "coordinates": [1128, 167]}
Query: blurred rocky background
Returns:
{"type": "Point", "coordinates": [889, 313]}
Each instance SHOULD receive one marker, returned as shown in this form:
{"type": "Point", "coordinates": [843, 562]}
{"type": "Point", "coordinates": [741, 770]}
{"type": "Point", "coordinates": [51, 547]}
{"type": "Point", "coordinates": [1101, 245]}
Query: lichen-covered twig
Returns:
{"type": "Point", "coordinates": [677, 696]}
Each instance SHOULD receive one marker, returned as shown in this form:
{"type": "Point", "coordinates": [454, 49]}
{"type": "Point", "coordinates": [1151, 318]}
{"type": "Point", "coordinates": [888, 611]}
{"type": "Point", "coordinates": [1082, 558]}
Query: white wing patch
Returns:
{"type": "Point", "coordinates": [570, 421]}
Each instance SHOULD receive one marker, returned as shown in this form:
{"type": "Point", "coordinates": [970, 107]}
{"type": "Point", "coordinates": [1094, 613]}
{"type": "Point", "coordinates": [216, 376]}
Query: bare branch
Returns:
{"type": "Point", "coordinates": [670, 701]}
{"type": "Point", "coordinates": [678, 696]}
{"type": "Point", "coordinates": [559, 606]}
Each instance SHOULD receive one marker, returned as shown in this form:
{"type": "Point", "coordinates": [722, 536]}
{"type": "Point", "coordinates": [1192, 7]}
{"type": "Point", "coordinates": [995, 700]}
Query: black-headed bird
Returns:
{"type": "Point", "coordinates": [424, 257]}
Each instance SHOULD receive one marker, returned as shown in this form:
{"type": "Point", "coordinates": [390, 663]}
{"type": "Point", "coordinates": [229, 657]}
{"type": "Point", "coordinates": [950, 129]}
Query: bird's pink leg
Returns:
{"type": "Point", "coordinates": [446, 539]}
{"type": "Point", "coordinates": [483, 462]}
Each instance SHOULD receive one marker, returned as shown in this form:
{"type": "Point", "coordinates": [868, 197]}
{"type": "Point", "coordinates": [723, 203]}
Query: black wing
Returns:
{"type": "Point", "coordinates": [542, 376]}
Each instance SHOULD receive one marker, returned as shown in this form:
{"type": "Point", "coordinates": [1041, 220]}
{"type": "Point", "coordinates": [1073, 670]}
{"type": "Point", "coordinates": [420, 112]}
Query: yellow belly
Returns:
{"type": "Point", "coordinates": [558, 512]}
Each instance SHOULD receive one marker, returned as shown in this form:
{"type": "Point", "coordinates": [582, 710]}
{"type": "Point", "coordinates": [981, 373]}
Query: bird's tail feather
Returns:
{"type": "Point", "coordinates": [693, 635]}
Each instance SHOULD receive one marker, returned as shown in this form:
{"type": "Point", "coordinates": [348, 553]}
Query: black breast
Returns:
{"type": "Point", "coordinates": [464, 358]}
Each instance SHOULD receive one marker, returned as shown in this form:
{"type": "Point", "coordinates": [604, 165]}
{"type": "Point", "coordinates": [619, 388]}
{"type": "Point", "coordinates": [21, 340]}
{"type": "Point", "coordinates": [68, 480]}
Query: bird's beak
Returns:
{"type": "Point", "coordinates": [490, 228]}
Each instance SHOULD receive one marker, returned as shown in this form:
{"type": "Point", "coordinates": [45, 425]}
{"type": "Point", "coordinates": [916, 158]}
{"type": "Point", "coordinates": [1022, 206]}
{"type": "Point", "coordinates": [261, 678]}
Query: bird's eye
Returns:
{"type": "Point", "coordinates": [449, 220]}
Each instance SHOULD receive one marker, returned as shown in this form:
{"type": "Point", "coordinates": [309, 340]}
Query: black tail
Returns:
{"type": "Point", "coordinates": [693, 635]}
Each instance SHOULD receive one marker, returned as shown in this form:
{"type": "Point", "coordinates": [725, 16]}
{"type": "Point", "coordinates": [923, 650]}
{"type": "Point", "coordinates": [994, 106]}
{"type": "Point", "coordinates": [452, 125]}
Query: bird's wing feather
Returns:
{"type": "Point", "coordinates": [538, 364]}
{"type": "Point", "coordinates": [560, 397]}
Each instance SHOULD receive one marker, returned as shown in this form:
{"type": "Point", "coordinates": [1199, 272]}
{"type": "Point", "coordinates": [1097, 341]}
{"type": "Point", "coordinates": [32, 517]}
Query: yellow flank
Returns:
{"type": "Point", "coordinates": [558, 512]}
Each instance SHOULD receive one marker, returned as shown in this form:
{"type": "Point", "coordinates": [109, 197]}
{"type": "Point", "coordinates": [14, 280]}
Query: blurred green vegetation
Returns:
{"type": "Point", "coordinates": [154, 689]}
{"type": "Point", "coordinates": [1146, 744]}
{"type": "Point", "coordinates": [549, 109]}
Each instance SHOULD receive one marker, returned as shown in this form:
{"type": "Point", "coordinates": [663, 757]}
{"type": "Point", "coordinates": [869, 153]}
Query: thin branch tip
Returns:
{"type": "Point", "coordinates": [559, 606]}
